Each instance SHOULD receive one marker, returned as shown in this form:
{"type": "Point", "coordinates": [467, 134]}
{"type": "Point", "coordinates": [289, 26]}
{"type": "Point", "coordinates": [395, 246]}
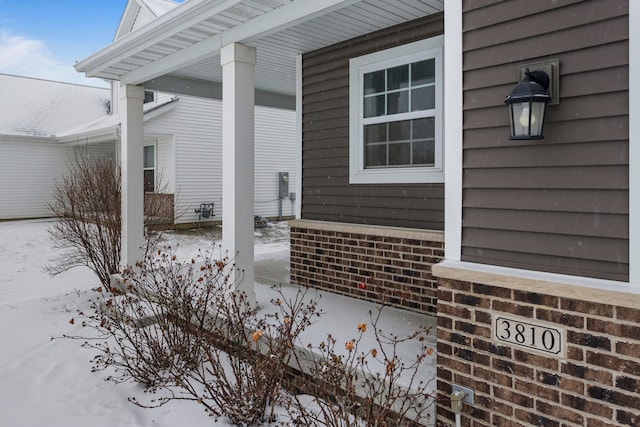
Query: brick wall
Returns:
{"type": "Point", "coordinates": [597, 383]}
{"type": "Point", "coordinates": [159, 209]}
{"type": "Point", "coordinates": [367, 262]}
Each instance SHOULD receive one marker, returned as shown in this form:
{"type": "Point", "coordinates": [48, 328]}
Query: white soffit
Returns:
{"type": "Point", "coordinates": [185, 42]}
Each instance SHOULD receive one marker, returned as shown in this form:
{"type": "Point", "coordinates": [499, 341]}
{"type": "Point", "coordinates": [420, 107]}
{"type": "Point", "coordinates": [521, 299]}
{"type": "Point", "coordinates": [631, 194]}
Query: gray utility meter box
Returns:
{"type": "Point", "coordinates": [283, 184]}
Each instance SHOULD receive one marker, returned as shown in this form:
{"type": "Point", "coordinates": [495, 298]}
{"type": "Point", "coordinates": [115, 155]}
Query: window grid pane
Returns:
{"type": "Point", "coordinates": [402, 143]}
{"type": "Point", "coordinates": [400, 89]}
{"type": "Point", "coordinates": [149, 160]}
{"type": "Point", "coordinates": [149, 157]}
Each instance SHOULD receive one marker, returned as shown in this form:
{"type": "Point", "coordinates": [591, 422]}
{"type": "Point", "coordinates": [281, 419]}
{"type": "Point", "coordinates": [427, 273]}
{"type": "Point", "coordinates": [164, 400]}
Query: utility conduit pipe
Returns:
{"type": "Point", "coordinates": [457, 398]}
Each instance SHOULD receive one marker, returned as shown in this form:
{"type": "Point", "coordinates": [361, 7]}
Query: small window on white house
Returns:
{"type": "Point", "coordinates": [395, 106]}
{"type": "Point", "coordinates": [149, 168]}
{"type": "Point", "coordinates": [149, 96]}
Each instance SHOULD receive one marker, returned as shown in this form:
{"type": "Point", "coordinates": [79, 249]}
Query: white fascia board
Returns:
{"type": "Point", "coordinates": [110, 131]}
{"type": "Point", "coordinates": [181, 18]}
{"type": "Point", "coordinates": [96, 135]}
{"type": "Point", "coordinates": [27, 138]}
{"type": "Point", "coordinates": [128, 16]}
{"type": "Point", "coordinates": [260, 26]}
{"type": "Point", "coordinates": [160, 109]}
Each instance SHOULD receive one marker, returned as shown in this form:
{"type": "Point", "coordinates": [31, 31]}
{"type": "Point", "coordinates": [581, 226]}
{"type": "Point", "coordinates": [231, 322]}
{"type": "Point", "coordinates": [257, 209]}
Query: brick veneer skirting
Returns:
{"type": "Point", "coordinates": [159, 209]}
{"type": "Point", "coordinates": [368, 262]}
{"type": "Point", "coordinates": [596, 384]}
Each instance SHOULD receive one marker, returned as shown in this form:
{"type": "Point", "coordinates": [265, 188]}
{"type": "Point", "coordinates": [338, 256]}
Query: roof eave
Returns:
{"type": "Point", "coordinates": [104, 62]}
{"type": "Point", "coordinates": [181, 17]}
{"type": "Point", "coordinates": [27, 138]}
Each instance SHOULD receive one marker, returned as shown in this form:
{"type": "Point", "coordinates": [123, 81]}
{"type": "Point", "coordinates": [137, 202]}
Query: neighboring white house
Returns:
{"type": "Point", "coordinates": [44, 120]}
{"type": "Point", "coordinates": [183, 137]}
{"type": "Point", "coordinates": [31, 156]}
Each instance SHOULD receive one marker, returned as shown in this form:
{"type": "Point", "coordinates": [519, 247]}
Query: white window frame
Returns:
{"type": "Point", "coordinates": [431, 48]}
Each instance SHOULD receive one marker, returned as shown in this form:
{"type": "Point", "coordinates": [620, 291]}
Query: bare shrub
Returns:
{"type": "Point", "coordinates": [179, 329]}
{"type": "Point", "coordinates": [247, 365]}
{"type": "Point", "coordinates": [142, 326]}
{"type": "Point", "coordinates": [87, 205]}
{"type": "Point", "coordinates": [372, 387]}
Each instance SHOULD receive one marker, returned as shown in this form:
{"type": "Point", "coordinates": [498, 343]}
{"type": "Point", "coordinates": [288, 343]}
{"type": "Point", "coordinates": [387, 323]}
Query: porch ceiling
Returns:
{"type": "Point", "coordinates": [181, 49]}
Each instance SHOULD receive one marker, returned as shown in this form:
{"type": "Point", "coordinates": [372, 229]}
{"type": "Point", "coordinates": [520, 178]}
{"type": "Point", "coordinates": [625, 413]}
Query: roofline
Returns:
{"type": "Point", "coordinates": [160, 109]}
{"type": "Point", "coordinates": [134, 7]}
{"type": "Point", "coordinates": [128, 8]}
{"type": "Point", "coordinates": [100, 135]}
{"type": "Point", "coordinates": [53, 81]}
{"type": "Point", "coordinates": [183, 17]}
{"type": "Point", "coordinates": [113, 129]}
{"type": "Point", "coordinates": [5, 137]}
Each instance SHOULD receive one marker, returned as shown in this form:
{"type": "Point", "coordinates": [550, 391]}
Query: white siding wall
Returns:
{"type": "Point", "coordinates": [101, 150]}
{"type": "Point", "coordinates": [189, 151]}
{"type": "Point", "coordinates": [165, 166]}
{"type": "Point", "coordinates": [28, 172]}
{"type": "Point", "coordinates": [197, 164]}
{"type": "Point", "coordinates": [143, 18]}
{"type": "Point", "coordinates": [275, 146]}
{"type": "Point", "coordinates": [27, 177]}
{"type": "Point", "coordinates": [196, 128]}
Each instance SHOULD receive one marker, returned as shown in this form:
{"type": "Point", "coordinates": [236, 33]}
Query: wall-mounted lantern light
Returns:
{"type": "Point", "coordinates": [527, 103]}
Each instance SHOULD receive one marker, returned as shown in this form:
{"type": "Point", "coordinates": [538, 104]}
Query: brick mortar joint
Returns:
{"type": "Point", "coordinates": [538, 369]}
{"type": "Point", "coordinates": [612, 319]}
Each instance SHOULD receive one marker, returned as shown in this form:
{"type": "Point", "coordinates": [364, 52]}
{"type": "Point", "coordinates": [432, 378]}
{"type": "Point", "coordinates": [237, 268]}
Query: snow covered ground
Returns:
{"type": "Point", "coordinates": [45, 382]}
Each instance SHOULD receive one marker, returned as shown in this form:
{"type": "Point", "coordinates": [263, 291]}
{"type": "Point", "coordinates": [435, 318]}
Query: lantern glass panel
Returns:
{"type": "Point", "coordinates": [537, 118]}
{"type": "Point", "coordinates": [526, 119]}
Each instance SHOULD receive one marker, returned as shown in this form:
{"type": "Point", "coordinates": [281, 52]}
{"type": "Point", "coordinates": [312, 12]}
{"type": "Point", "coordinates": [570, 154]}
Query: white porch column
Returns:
{"type": "Point", "coordinates": [132, 143]}
{"type": "Point", "coordinates": [238, 103]}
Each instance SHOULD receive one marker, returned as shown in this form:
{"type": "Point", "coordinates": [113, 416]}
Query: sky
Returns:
{"type": "Point", "coordinates": [45, 38]}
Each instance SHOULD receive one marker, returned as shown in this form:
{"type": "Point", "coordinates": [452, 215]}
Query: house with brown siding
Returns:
{"type": "Point", "coordinates": [412, 191]}
{"type": "Point", "coordinates": [538, 298]}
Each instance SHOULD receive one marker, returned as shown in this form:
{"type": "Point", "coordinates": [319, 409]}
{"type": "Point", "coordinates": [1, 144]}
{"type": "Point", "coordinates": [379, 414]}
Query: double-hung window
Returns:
{"type": "Point", "coordinates": [149, 167]}
{"type": "Point", "coordinates": [395, 106]}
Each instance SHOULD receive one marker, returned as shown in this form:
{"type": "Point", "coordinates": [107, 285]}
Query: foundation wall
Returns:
{"type": "Point", "coordinates": [368, 262]}
{"type": "Point", "coordinates": [596, 382]}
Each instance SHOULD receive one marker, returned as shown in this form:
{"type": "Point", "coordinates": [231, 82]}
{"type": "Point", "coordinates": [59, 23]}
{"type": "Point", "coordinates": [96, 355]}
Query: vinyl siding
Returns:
{"type": "Point", "coordinates": [327, 194]}
{"type": "Point", "coordinates": [29, 173]}
{"type": "Point", "coordinates": [165, 168]}
{"type": "Point", "coordinates": [103, 150]}
{"type": "Point", "coordinates": [189, 160]}
{"type": "Point", "coordinates": [559, 204]}
{"type": "Point", "coordinates": [195, 126]}
{"type": "Point", "coordinates": [198, 168]}
{"type": "Point", "coordinates": [143, 18]}
{"type": "Point", "coordinates": [275, 151]}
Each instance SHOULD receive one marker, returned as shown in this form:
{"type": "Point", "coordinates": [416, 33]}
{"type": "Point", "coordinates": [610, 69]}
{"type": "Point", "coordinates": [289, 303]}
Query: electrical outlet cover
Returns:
{"type": "Point", "coordinates": [468, 393]}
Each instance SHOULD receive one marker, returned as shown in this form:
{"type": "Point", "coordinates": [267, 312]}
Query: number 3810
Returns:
{"type": "Point", "coordinates": [528, 335]}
